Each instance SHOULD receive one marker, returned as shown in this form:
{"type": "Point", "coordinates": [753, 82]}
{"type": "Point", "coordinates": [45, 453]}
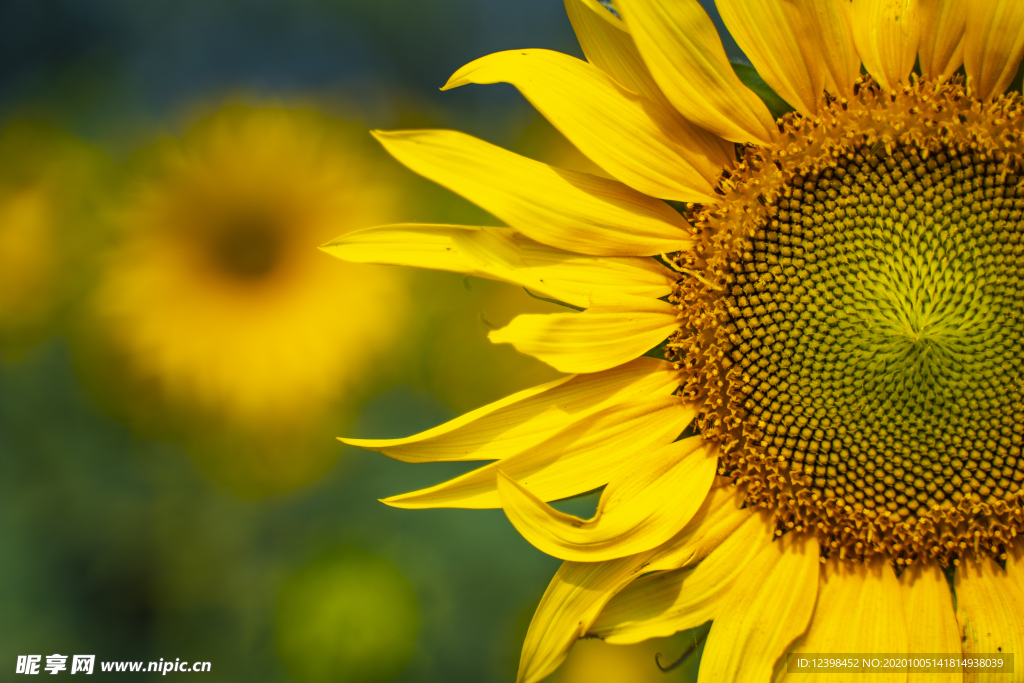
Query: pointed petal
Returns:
{"type": "Point", "coordinates": [607, 45]}
{"type": "Point", "coordinates": [859, 610]}
{"type": "Point", "coordinates": [641, 509]}
{"type": "Point", "coordinates": [993, 45]}
{"type": "Point", "coordinates": [683, 52]}
{"type": "Point", "coordinates": [599, 338]}
{"type": "Point", "coordinates": [565, 209]}
{"type": "Point", "coordinates": [931, 621]}
{"type": "Point", "coordinates": [767, 608]}
{"type": "Point", "coordinates": [580, 590]}
{"type": "Point", "coordinates": [887, 33]}
{"type": "Point", "coordinates": [943, 23]}
{"type": "Point", "coordinates": [782, 44]}
{"type": "Point", "coordinates": [832, 23]}
{"type": "Point", "coordinates": [406, 244]}
{"type": "Point", "coordinates": [990, 611]}
{"type": "Point", "coordinates": [521, 421]}
{"type": "Point", "coordinates": [637, 140]}
{"type": "Point", "coordinates": [659, 605]}
{"type": "Point", "coordinates": [583, 457]}
{"type": "Point", "coordinates": [502, 254]}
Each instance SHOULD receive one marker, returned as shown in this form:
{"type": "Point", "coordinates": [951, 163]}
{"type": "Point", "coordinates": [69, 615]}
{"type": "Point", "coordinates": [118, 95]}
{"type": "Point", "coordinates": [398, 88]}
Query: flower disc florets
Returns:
{"type": "Point", "coordinates": [856, 308]}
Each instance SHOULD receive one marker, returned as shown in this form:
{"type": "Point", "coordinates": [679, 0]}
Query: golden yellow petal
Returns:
{"type": "Point", "coordinates": [637, 140]}
{"type": "Point", "coordinates": [641, 509]}
{"type": "Point", "coordinates": [990, 612]}
{"type": "Point", "coordinates": [518, 422]}
{"type": "Point", "coordinates": [597, 339]}
{"type": "Point", "coordinates": [579, 590]}
{"type": "Point", "coordinates": [683, 52]}
{"type": "Point", "coordinates": [407, 244]}
{"type": "Point", "coordinates": [832, 24]}
{"type": "Point", "coordinates": [782, 43]}
{"type": "Point", "coordinates": [859, 610]}
{"type": "Point", "coordinates": [565, 209]}
{"type": "Point", "coordinates": [931, 621]}
{"type": "Point", "coordinates": [659, 605]}
{"type": "Point", "coordinates": [993, 45]}
{"type": "Point", "coordinates": [887, 33]}
{"type": "Point", "coordinates": [583, 457]}
{"type": "Point", "coordinates": [607, 45]}
{"type": "Point", "coordinates": [943, 23]}
{"type": "Point", "coordinates": [766, 609]}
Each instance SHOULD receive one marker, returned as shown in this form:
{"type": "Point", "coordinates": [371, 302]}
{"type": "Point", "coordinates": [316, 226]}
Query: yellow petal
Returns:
{"type": "Point", "coordinates": [941, 52]}
{"type": "Point", "coordinates": [646, 506]}
{"type": "Point", "coordinates": [658, 605]}
{"type": "Point", "coordinates": [579, 590]}
{"type": "Point", "coordinates": [407, 244]}
{"type": "Point", "coordinates": [683, 52]}
{"type": "Point", "coordinates": [782, 44]}
{"type": "Point", "coordinates": [583, 457]}
{"type": "Point", "coordinates": [931, 621]}
{"type": "Point", "coordinates": [563, 275]}
{"type": "Point", "coordinates": [607, 45]}
{"type": "Point", "coordinates": [565, 209]}
{"type": "Point", "coordinates": [503, 254]}
{"type": "Point", "coordinates": [859, 610]}
{"type": "Point", "coordinates": [637, 140]}
{"type": "Point", "coordinates": [518, 422]}
{"type": "Point", "coordinates": [990, 611]}
{"type": "Point", "coordinates": [993, 45]}
{"type": "Point", "coordinates": [767, 608]}
{"type": "Point", "coordinates": [887, 33]}
{"type": "Point", "coordinates": [599, 338]}
{"type": "Point", "coordinates": [831, 22]}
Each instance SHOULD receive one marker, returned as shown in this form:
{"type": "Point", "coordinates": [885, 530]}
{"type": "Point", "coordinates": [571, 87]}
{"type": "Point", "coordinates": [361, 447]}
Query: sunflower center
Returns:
{"type": "Point", "coordinates": [247, 248]}
{"type": "Point", "coordinates": [862, 355]}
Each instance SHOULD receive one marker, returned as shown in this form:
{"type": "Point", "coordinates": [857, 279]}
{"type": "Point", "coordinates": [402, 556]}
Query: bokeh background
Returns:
{"type": "Point", "coordinates": [176, 357]}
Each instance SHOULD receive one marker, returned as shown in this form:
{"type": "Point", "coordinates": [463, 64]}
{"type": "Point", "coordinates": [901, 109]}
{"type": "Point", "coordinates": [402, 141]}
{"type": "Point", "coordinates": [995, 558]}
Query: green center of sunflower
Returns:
{"type": "Point", "coordinates": [861, 347]}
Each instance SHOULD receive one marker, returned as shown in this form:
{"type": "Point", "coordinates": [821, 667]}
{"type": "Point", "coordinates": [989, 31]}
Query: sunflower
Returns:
{"type": "Point", "coordinates": [49, 187]}
{"type": "Point", "coordinates": [828, 457]}
{"type": "Point", "coordinates": [217, 302]}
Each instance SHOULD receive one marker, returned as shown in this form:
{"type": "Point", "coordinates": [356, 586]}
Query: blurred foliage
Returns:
{"type": "Point", "coordinates": [199, 507]}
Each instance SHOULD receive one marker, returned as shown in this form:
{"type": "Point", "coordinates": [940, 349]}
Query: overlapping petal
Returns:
{"type": "Point", "coordinates": [659, 605]}
{"type": "Point", "coordinates": [648, 504]}
{"type": "Point", "coordinates": [931, 621]}
{"type": "Point", "coordinates": [943, 23]}
{"type": "Point", "coordinates": [518, 422]}
{"type": "Point", "coordinates": [639, 141]}
{"type": "Point", "coordinates": [503, 254]}
{"type": "Point", "coordinates": [887, 34]}
{"type": "Point", "coordinates": [683, 52]}
{"type": "Point", "coordinates": [859, 610]}
{"type": "Point", "coordinates": [831, 22]}
{"type": "Point", "coordinates": [766, 609]}
{"type": "Point", "coordinates": [582, 457]}
{"type": "Point", "coordinates": [993, 45]}
{"type": "Point", "coordinates": [566, 209]}
{"type": "Point", "coordinates": [599, 338]}
{"type": "Point", "coordinates": [579, 590]}
{"type": "Point", "coordinates": [782, 42]}
{"type": "Point", "coordinates": [607, 45]}
{"type": "Point", "coordinates": [989, 610]}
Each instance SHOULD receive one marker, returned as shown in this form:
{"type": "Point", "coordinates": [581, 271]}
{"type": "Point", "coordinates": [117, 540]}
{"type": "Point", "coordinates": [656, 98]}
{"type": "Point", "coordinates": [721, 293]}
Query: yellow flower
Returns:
{"type": "Point", "coordinates": [48, 183]}
{"type": "Point", "coordinates": [218, 298]}
{"type": "Point", "coordinates": [842, 300]}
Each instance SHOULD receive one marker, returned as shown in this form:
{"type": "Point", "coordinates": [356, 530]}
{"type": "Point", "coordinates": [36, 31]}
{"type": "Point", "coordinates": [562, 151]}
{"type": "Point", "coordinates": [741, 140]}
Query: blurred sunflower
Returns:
{"type": "Point", "coordinates": [49, 187]}
{"type": "Point", "coordinates": [218, 302]}
{"type": "Point", "coordinates": [842, 300]}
